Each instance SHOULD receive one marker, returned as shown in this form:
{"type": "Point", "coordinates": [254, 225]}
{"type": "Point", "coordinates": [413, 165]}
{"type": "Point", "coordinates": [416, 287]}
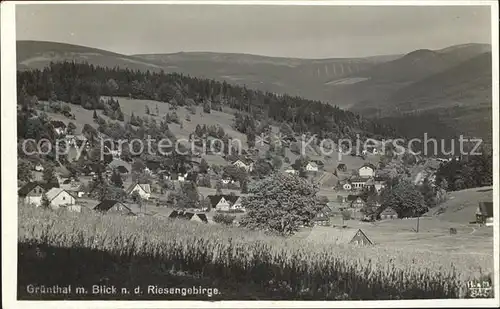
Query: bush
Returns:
{"type": "Point", "coordinates": [224, 218]}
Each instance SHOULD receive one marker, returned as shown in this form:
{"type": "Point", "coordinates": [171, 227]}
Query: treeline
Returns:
{"type": "Point", "coordinates": [469, 172]}
{"type": "Point", "coordinates": [83, 84]}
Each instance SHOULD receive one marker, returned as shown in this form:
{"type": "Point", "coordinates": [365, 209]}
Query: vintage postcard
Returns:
{"type": "Point", "coordinates": [250, 154]}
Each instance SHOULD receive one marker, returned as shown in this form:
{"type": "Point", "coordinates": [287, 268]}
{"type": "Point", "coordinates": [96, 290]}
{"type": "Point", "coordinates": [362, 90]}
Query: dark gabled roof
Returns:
{"type": "Point", "coordinates": [203, 217]}
{"type": "Point", "coordinates": [318, 162]}
{"type": "Point", "coordinates": [27, 188]}
{"type": "Point", "coordinates": [58, 124]}
{"type": "Point", "coordinates": [215, 199]}
{"type": "Point", "coordinates": [341, 165]}
{"type": "Point", "coordinates": [122, 169]}
{"type": "Point", "coordinates": [153, 165]}
{"type": "Point", "coordinates": [107, 205]}
{"type": "Point", "coordinates": [388, 211]}
{"type": "Point", "coordinates": [174, 214]}
{"type": "Point", "coordinates": [486, 209]}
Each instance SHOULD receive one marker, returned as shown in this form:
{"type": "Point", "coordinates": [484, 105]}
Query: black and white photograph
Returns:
{"type": "Point", "coordinates": [250, 151]}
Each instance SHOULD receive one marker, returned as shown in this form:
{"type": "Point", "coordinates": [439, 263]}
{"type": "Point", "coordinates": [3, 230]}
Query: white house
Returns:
{"type": "Point", "coordinates": [182, 178]}
{"type": "Point", "coordinates": [39, 168]}
{"type": "Point", "coordinates": [291, 171]}
{"type": "Point", "coordinates": [367, 170]}
{"type": "Point", "coordinates": [60, 198]}
{"type": "Point", "coordinates": [31, 193]}
{"type": "Point", "coordinates": [312, 167]}
{"type": "Point", "coordinates": [247, 166]}
{"type": "Point", "coordinates": [144, 190]}
{"type": "Point", "coordinates": [358, 183]}
{"type": "Point", "coordinates": [225, 202]}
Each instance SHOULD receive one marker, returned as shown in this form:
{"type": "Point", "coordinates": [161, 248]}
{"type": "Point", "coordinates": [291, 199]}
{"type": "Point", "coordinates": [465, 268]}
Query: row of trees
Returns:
{"type": "Point", "coordinates": [469, 172]}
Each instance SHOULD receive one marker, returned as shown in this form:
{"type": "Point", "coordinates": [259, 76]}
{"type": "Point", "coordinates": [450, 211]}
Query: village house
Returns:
{"type": "Point", "coordinates": [39, 168]}
{"type": "Point", "coordinates": [484, 213]}
{"type": "Point", "coordinates": [225, 202]}
{"type": "Point", "coordinates": [367, 170]}
{"type": "Point", "coordinates": [388, 213]}
{"type": "Point", "coordinates": [112, 206]}
{"type": "Point", "coordinates": [246, 164]}
{"type": "Point", "coordinates": [195, 217]}
{"type": "Point", "coordinates": [187, 215]}
{"type": "Point", "coordinates": [152, 167]}
{"type": "Point", "coordinates": [312, 167]}
{"type": "Point", "coordinates": [59, 197]}
{"type": "Point", "coordinates": [291, 171]}
{"type": "Point", "coordinates": [357, 203]}
{"type": "Point", "coordinates": [340, 236]}
{"type": "Point", "coordinates": [321, 218]}
{"type": "Point", "coordinates": [144, 190]}
{"type": "Point", "coordinates": [31, 193]}
{"type": "Point", "coordinates": [358, 183]}
{"type": "Point", "coordinates": [59, 127]}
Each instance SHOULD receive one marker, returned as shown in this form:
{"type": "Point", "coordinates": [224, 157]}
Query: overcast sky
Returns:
{"type": "Point", "coordinates": [291, 31]}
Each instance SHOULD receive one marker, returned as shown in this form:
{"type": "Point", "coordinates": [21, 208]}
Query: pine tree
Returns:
{"type": "Point", "coordinates": [148, 112]}
{"type": "Point", "coordinates": [116, 179]}
{"type": "Point", "coordinates": [49, 175]}
{"type": "Point", "coordinates": [95, 115]}
{"type": "Point", "coordinates": [45, 203]}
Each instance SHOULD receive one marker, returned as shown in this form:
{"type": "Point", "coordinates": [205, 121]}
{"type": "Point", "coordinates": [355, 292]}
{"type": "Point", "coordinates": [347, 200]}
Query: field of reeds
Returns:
{"type": "Point", "coordinates": [91, 249]}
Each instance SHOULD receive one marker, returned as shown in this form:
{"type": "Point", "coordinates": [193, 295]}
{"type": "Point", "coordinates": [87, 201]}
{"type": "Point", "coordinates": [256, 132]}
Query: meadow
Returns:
{"type": "Point", "coordinates": [88, 248]}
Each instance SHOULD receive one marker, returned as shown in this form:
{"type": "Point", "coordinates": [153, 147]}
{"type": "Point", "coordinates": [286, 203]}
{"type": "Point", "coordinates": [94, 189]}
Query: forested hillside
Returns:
{"type": "Point", "coordinates": [83, 84]}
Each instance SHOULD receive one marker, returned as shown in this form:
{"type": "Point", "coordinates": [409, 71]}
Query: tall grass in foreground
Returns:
{"type": "Point", "coordinates": [278, 267]}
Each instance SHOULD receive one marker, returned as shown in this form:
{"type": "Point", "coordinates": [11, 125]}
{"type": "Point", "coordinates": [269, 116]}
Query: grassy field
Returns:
{"type": "Point", "coordinates": [461, 205]}
{"type": "Point", "coordinates": [128, 252]}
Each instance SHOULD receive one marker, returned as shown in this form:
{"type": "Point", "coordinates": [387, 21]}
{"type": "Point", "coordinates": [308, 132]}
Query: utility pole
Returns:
{"type": "Point", "coordinates": [418, 222]}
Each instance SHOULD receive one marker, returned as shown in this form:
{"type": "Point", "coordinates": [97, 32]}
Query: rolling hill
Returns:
{"type": "Point", "coordinates": [303, 77]}
{"type": "Point", "coordinates": [38, 54]}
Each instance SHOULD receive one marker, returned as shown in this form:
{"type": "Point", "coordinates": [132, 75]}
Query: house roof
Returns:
{"type": "Point", "coordinates": [373, 167]}
{"type": "Point", "coordinates": [54, 192]}
{"type": "Point", "coordinates": [313, 164]}
{"type": "Point", "coordinates": [486, 208]}
{"type": "Point", "coordinates": [153, 165]}
{"type": "Point", "coordinates": [341, 165]}
{"type": "Point", "coordinates": [388, 211]}
{"type": "Point", "coordinates": [318, 162]}
{"type": "Point", "coordinates": [122, 169]}
{"type": "Point", "coordinates": [27, 188]}
{"type": "Point", "coordinates": [215, 199]}
{"type": "Point", "coordinates": [144, 186]}
{"type": "Point", "coordinates": [108, 204]}
{"type": "Point", "coordinates": [359, 179]}
{"type": "Point", "coordinates": [58, 124]}
{"type": "Point", "coordinates": [340, 236]}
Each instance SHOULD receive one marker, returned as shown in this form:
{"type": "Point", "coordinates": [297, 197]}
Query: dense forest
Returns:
{"type": "Point", "coordinates": [83, 84]}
